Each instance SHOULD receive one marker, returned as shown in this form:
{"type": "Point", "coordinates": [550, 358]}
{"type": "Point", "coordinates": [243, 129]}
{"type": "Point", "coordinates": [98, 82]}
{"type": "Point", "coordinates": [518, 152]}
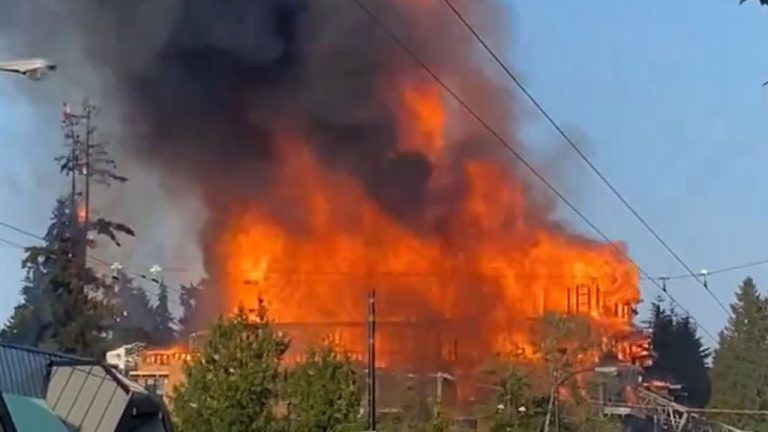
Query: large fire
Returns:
{"type": "Point", "coordinates": [329, 164]}
{"type": "Point", "coordinates": [459, 292]}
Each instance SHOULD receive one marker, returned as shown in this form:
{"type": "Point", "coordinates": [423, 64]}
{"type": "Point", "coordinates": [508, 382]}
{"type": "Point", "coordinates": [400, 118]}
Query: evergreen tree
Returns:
{"type": "Point", "coordinates": [60, 309]}
{"type": "Point", "coordinates": [189, 299]}
{"type": "Point", "coordinates": [680, 355]}
{"type": "Point", "coordinates": [133, 314]}
{"type": "Point", "coordinates": [234, 383]}
{"type": "Point", "coordinates": [739, 369]}
{"type": "Point", "coordinates": [324, 393]}
{"type": "Point", "coordinates": [163, 322]}
{"type": "Point", "coordinates": [65, 306]}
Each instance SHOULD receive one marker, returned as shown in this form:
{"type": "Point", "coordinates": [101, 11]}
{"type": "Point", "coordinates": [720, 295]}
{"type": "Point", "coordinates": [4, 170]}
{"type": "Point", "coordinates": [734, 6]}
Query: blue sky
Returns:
{"type": "Point", "coordinates": [665, 97]}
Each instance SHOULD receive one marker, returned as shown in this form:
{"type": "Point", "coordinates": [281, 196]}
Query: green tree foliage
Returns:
{"type": "Point", "coordinates": [739, 369]}
{"type": "Point", "coordinates": [190, 300]}
{"type": "Point", "coordinates": [324, 393]}
{"type": "Point", "coordinates": [133, 314]}
{"type": "Point", "coordinates": [762, 2]}
{"type": "Point", "coordinates": [62, 307]}
{"type": "Point", "coordinates": [680, 355]}
{"type": "Point", "coordinates": [562, 346]}
{"type": "Point", "coordinates": [235, 382]}
{"type": "Point", "coordinates": [87, 161]}
{"type": "Point", "coordinates": [30, 317]}
{"type": "Point", "coordinates": [439, 422]}
{"type": "Point", "coordinates": [163, 323]}
{"type": "Point", "coordinates": [65, 306]}
{"type": "Point", "coordinates": [415, 413]}
{"type": "Point", "coordinates": [518, 407]}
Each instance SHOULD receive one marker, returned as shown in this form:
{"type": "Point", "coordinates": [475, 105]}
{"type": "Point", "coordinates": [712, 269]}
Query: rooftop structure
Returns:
{"type": "Point", "coordinates": [84, 394]}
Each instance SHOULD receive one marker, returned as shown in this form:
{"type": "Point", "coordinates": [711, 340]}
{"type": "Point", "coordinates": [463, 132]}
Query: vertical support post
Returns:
{"type": "Point", "coordinates": [598, 300]}
{"type": "Point", "coordinates": [371, 359]}
{"type": "Point", "coordinates": [87, 178]}
{"type": "Point", "coordinates": [557, 410]}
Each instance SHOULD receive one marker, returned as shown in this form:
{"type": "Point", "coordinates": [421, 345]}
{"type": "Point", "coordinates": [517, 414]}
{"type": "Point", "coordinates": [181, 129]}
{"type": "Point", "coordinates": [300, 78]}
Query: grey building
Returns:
{"type": "Point", "coordinates": [84, 394]}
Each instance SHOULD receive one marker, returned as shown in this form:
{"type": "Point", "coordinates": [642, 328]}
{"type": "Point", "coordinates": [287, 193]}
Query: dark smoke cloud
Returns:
{"type": "Point", "coordinates": [216, 81]}
{"type": "Point", "coordinates": [204, 87]}
{"type": "Point", "coordinates": [209, 82]}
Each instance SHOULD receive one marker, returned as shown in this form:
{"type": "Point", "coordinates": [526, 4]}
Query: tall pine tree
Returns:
{"type": "Point", "coordinates": [680, 355]}
{"type": "Point", "coordinates": [739, 369]}
{"type": "Point", "coordinates": [190, 301]}
{"type": "Point", "coordinates": [60, 310]}
{"type": "Point", "coordinates": [65, 306]}
{"type": "Point", "coordinates": [133, 316]}
{"type": "Point", "coordinates": [163, 322]}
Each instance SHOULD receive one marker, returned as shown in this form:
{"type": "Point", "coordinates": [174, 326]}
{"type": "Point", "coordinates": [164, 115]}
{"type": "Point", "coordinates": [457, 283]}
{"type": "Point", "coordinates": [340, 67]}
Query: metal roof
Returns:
{"type": "Point", "coordinates": [32, 414]}
{"type": "Point", "coordinates": [83, 392]}
{"type": "Point", "coordinates": [23, 370]}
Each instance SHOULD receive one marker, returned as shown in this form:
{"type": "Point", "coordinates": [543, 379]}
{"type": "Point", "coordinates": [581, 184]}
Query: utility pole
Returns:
{"type": "Point", "coordinates": [79, 165]}
{"type": "Point", "coordinates": [664, 280]}
{"type": "Point", "coordinates": [371, 358]}
{"type": "Point", "coordinates": [87, 177]}
{"type": "Point", "coordinates": [71, 164]}
{"type": "Point", "coordinates": [371, 286]}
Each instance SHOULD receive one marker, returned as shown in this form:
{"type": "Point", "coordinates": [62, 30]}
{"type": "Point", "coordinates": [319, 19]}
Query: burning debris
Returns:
{"type": "Point", "coordinates": [329, 165]}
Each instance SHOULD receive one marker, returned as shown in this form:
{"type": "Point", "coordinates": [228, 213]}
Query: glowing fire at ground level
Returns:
{"type": "Point", "coordinates": [463, 254]}
{"type": "Point", "coordinates": [457, 294]}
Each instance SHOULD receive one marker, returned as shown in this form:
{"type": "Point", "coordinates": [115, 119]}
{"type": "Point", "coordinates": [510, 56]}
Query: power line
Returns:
{"type": "Point", "coordinates": [720, 270]}
{"type": "Point", "coordinates": [20, 231]}
{"type": "Point", "coordinates": [91, 258]}
{"type": "Point", "coordinates": [144, 276]}
{"type": "Point", "coordinates": [583, 156]}
{"type": "Point", "coordinates": [10, 243]}
{"type": "Point", "coordinates": [415, 57]}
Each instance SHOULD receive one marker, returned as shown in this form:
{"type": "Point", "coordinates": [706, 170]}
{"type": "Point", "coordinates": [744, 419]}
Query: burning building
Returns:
{"type": "Point", "coordinates": [330, 164]}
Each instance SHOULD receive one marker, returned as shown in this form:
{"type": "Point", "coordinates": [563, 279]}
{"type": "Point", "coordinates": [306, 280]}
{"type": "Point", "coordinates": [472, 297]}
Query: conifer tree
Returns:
{"type": "Point", "coordinates": [739, 369]}
{"type": "Point", "coordinates": [189, 299]}
{"type": "Point", "coordinates": [163, 327]}
{"type": "Point", "coordinates": [65, 306]}
{"type": "Point", "coordinates": [133, 313]}
{"type": "Point", "coordinates": [680, 354]}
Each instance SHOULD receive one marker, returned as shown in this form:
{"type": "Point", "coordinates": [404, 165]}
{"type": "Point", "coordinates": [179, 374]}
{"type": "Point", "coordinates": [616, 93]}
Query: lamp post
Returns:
{"type": "Point", "coordinates": [35, 69]}
{"type": "Point", "coordinates": [608, 370]}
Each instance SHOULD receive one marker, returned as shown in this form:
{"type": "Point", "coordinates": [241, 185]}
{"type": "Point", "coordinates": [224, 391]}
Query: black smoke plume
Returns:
{"type": "Point", "coordinates": [205, 85]}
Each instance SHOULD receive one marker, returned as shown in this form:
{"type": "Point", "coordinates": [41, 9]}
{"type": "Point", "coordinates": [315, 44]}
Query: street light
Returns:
{"type": "Point", "coordinates": [607, 370]}
{"type": "Point", "coordinates": [35, 69]}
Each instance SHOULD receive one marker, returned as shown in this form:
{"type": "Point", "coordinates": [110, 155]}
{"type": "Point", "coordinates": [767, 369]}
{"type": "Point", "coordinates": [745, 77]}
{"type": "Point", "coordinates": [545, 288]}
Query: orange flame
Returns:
{"type": "Point", "coordinates": [81, 212]}
{"type": "Point", "coordinates": [466, 288]}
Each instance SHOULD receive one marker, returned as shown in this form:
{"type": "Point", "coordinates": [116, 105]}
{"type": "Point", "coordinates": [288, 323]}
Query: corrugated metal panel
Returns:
{"type": "Point", "coordinates": [23, 370]}
{"type": "Point", "coordinates": [90, 400]}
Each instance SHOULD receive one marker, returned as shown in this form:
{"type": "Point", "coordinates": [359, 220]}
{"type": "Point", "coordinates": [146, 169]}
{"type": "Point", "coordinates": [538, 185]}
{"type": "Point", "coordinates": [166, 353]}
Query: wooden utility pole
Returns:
{"type": "Point", "coordinates": [371, 358]}
{"type": "Point", "coordinates": [87, 177]}
{"type": "Point", "coordinates": [371, 289]}
{"type": "Point", "coordinates": [78, 166]}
